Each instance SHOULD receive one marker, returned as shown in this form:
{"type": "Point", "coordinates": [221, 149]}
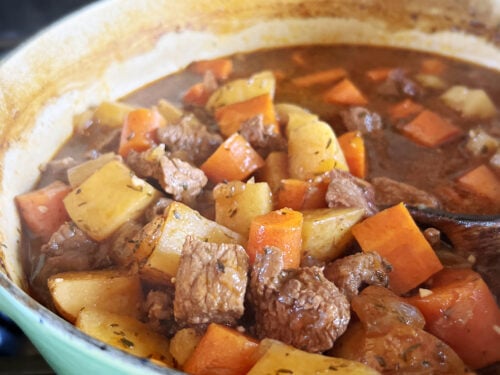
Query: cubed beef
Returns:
{"type": "Point", "coordinates": [190, 136]}
{"type": "Point", "coordinates": [348, 191]}
{"type": "Point", "coordinates": [175, 176]}
{"type": "Point", "coordinates": [159, 311]}
{"type": "Point", "coordinates": [351, 273]}
{"type": "Point", "coordinates": [398, 84]}
{"type": "Point", "coordinates": [299, 307]}
{"type": "Point", "coordinates": [361, 119]}
{"type": "Point", "coordinates": [262, 136]}
{"type": "Point", "coordinates": [210, 284]}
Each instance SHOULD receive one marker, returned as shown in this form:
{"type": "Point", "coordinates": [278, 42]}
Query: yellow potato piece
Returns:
{"type": "Point", "coordinates": [469, 102]}
{"type": "Point", "coordinates": [278, 358]}
{"type": "Point", "coordinates": [180, 222]}
{"type": "Point", "coordinates": [107, 199]}
{"type": "Point", "coordinates": [80, 172]}
{"type": "Point", "coordinates": [183, 344]}
{"type": "Point", "coordinates": [110, 290]}
{"type": "Point", "coordinates": [327, 231]}
{"type": "Point", "coordinates": [125, 333]}
{"type": "Point", "coordinates": [238, 203]}
{"type": "Point", "coordinates": [112, 114]}
{"type": "Point", "coordinates": [243, 89]}
{"type": "Point", "coordinates": [313, 148]}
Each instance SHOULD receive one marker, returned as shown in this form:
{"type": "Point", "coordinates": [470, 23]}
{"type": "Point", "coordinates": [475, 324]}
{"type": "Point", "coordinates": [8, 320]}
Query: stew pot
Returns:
{"type": "Point", "coordinates": [112, 47]}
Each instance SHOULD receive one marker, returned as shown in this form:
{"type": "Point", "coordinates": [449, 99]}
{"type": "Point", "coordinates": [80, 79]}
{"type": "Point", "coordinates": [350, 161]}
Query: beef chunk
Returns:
{"type": "Point", "coordinates": [261, 136]}
{"type": "Point", "coordinates": [58, 168]}
{"type": "Point", "coordinates": [159, 311]}
{"type": "Point", "coordinates": [133, 242]}
{"type": "Point", "coordinates": [389, 192]}
{"type": "Point", "coordinates": [68, 249]}
{"type": "Point", "coordinates": [210, 284]}
{"type": "Point", "coordinates": [398, 84]}
{"type": "Point", "coordinates": [353, 272]}
{"type": "Point", "coordinates": [175, 176]}
{"type": "Point", "coordinates": [190, 136]}
{"type": "Point", "coordinates": [346, 191]}
{"type": "Point", "coordinates": [361, 119]}
{"type": "Point", "coordinates": [299, 307]}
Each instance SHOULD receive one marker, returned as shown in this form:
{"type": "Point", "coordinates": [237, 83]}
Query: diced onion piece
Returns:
{"type": "Point", "coordinates": [480, 142]}
{"type": "Point", "coordinates": [469, 102]}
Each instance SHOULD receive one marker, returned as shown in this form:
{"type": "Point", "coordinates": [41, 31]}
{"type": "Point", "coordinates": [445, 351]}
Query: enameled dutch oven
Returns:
{"type": "Point", "coordinates": [112, 47]}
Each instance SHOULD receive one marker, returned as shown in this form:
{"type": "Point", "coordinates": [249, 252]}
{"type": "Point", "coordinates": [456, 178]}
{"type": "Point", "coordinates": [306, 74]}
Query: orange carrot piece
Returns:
{"type": "Point", "coordinates": [43, 210]}
{"type": "Point", "coordinates": [196, 95]}
{"type": "Point", "coordinates": [222, 350]}
{"type": "Point", "coordinates": [432, 66]}
{"type": "Point", "coordinates": [345, 92]}
{"type": "Point", "coordinates": [139, 130]}
{"type": "Point", "coordinates": [353, 147]}
{"type": "Point", "coordinates": [462, 312]}
{"type": "Point", "coordinates": [430, 129]}
{"type": "Point", "coordinates": [221, 68]}
{"type": "Point", "coordinates": [322, 77]}
{"type": "Point", "coordinates": [378, 74]}
{"type": "Point", "coordinates": [230, 117]}
{"type": "Point", "coordinates": [233, 160]}
{"type": "Point", "coordinates": [274, 170]}
{"type": "Point", "coordinates": [302, 195]}
{"type": "Point", "coordinates": [482, 181]}
{"type": "Point", "coordinates": [405, 109]}
{"type": "Point", "coordinates": [280, 228]}
{"type": "Point", "coordinates": [395, 236]}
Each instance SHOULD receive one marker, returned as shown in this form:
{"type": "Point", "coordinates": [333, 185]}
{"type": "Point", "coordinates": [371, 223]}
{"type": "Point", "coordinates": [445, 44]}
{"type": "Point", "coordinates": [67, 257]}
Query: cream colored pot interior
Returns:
{"type": "Point", "coordinates": [114, 47]}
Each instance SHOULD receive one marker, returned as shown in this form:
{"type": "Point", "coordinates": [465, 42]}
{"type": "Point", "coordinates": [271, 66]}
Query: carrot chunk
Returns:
{"type": "Point", "coordinates": [139, 130]}
{"type": "Point", "coordinates": [325, 76]}
{"type": "Point", "coordinates": [302, 195]}
{"type": "Point", "coordinates": [196, 95]}
{"type": "Point", "coordinates": [353, 147]}
{"type": "Point", "coordinates": [281, 228]}
{"type": "Point", "coordinates": [43, 210]}
{"type": "Point", "coordinates": [461, 311]}
{"type": "Point", "coordinates": [345, 92]}
{"type": "Point", "coordinates": [395, 236]}
{"type": "Point", "coordinates": [222, 350]}
{"type": "Point", "coordinates": [378, 74]}
{"type": "Point", "coordinates": [433, 66]}
{"type": "Point", "coordinates": [233, 160]}
{"type": "Point", "coordinates": [221, 68]}
{"type": "Point", "coordinates": [231, 116]}
{"type": "Point", "coordinates": [482, 181]}
{"type": "Point", "coordinates": [430, 129]}
{"type": "Point", "coordinates": [405, 109]}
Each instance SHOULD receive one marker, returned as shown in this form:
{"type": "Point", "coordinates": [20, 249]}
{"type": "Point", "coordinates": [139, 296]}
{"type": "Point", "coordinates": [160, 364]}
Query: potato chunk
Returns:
{"type": "Point", "coordinates": [180, 222]}
{"type": "Point", "coordinates": [326, 232]}
{"type": "Point", "coordinates": [237, 204]}
{"type": "Point", "coordinates": [469, 102]}
{"type": "Point", "coordinates": [243, 89]}
{"type": "Point", "coordinates": [112, 114]}
{"type": "Point", "coordinates": [125, 333]}
{"type": "Point", "coordinates": [278, 358]}
{"type": "Point", "coordinates": [80, 172]}
{"type": "Point", "coordinates": [110, 290]}
{"type": "Point", "coordinates": [107, 199]}
{"type": "Point", "coordinates": [313, 148]}
{"type": "Point", "coordinates": [183, 344]}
